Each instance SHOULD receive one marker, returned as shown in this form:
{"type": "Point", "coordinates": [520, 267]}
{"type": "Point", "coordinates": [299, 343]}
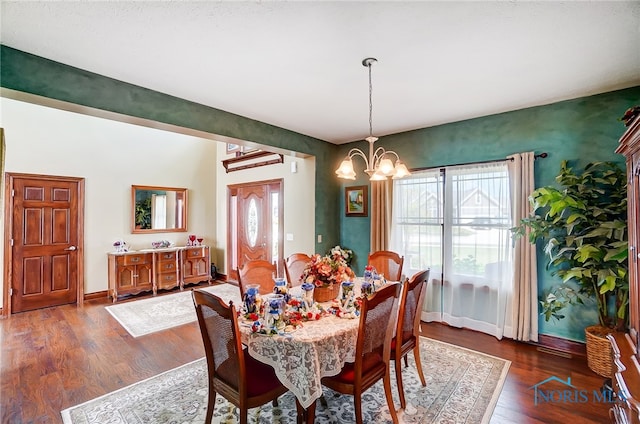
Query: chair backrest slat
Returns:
{"type": "Point", "coordinates": [219, 328]}
{"type": "Point", "coordinates": [376, 327]}
{"type": "Point", "coordinates": [294, 266]}
{"type": "Point", "coordinates": [411, 305]}
{"type": "Point", "coordinates": [388, 263]}
{"type": "Point", "coordinates": [259, 272]}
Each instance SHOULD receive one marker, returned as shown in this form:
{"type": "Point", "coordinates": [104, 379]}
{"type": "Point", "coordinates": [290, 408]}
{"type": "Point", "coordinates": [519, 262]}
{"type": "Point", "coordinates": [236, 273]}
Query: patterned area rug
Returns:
{"type": "Point", "coordinates": [159, 313]}
{"type": "Point", "coordinates": [463, 386]}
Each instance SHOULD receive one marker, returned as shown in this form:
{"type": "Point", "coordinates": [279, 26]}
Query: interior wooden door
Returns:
{"type": "Point", "coordinates": [255, 229]}
{"type": "Point", "coordinates": [45, 241]}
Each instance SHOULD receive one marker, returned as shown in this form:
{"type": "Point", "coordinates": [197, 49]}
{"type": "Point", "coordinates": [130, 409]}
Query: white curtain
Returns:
{"type": "Point", "coordinates": [524, 321]}
{"type": "Point", "coordinates": [159, 211]}
{"type": "Point", "coordinates": [457, 221]}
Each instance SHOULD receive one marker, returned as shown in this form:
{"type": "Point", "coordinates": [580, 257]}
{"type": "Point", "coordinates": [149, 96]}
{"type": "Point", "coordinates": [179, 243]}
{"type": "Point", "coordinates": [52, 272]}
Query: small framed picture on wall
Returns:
{"type": "Point", "coordinates": [356, 201]}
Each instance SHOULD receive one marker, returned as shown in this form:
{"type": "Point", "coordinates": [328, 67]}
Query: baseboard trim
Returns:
{"type": "Point", "coordinates": [559, 346]}
{"type": "Point", "coordinates": [96, 295]}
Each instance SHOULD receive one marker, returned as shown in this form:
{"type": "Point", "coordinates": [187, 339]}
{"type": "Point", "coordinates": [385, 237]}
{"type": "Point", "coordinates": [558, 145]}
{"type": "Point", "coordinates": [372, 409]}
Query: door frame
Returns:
{"type": "Point", "coordinates": [9, 178]}
{"type": "Point", "coordinates": [229, 271]}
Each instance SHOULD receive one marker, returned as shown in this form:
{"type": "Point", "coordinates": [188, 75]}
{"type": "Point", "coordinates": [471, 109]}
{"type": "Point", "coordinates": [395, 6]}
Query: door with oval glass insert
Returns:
{"type": "Point", "coordinates": [255, 229]}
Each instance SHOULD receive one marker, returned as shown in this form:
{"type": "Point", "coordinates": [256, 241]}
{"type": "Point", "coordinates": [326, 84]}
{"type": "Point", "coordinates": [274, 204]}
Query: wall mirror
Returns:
{"type": "Point", "coordinates": [158, 209]}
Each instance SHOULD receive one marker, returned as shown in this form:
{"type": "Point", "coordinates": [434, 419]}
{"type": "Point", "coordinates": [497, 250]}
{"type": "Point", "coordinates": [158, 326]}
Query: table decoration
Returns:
{"type": "Point", "coordinates": [299, 310]}
{"type": "Point", "coordinates": [369, 273]}
{"type": "Point", "coordinates": [251, 299]}
{"type": "Point", "coordinates": [281, 288]}
{"type": "Point", "coordinates": [274, 321]}
{"type": "Point", "coordinates": [367, 288]}
{"type": "Point", "coordinates": [378, 281]}
{"type": "Point", "coordinates": [120, 246]}
{"type": "Point", "coordinates": [272, 315]}
{"type": "Point", "coordinates": [326, 273]}
{"type": "Point", "coordinates": [347, 306]}
{"type": "Point", "coordinates": [160, 244]}
{"type": "Point", "coordinates": [307, 295]}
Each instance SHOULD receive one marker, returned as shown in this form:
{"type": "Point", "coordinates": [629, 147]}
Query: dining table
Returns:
{"type": "Point", "coordinates": [302, 357]}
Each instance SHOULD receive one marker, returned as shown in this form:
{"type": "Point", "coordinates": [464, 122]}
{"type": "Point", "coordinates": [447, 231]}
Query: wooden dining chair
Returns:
{"type": "Point", "coordinates": [293, 267]}
{"type": "Point", "coordinates": [373, 350]}
{"type": "Point", "coordinates": [407, 335]}
{"type": "Point", "coordinates": [388, 263]}
{"type": "Point", "coordinates": [259, 272]}
{"type": "Point", "coordinates": [233, 373]}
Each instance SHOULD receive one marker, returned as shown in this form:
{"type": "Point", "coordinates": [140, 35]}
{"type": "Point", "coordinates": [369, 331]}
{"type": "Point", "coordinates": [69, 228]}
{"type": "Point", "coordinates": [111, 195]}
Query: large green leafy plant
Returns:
{"type": "Point", "coordinates": [583, 228]}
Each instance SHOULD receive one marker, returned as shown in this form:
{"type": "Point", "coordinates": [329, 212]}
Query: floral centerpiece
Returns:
{"type": "Point", "coordinates": [346, 254]}
{"type": "Point", "coordinates": [326, 273]}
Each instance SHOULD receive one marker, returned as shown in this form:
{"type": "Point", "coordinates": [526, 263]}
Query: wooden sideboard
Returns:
{"type": "Point", "coordinates": [626, 378]}
{"type": "Point", "coordinates": [157, 269]}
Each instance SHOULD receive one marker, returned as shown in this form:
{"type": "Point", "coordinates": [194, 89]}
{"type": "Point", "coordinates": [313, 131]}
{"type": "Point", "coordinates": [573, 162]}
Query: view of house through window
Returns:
{"type": "Point", "coordinates": [456, 221]}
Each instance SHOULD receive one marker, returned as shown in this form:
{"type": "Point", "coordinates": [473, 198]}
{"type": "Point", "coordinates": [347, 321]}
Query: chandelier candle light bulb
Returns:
{"type": "Point", "coordinates": [379, 165]}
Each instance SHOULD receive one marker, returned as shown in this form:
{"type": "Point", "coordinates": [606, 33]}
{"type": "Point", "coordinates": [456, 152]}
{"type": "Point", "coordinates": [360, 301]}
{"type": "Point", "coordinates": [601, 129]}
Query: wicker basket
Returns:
{"type": "Point", "coordinates": [325, 294]}
{"type": "Point", "coordinates": [599, 354]}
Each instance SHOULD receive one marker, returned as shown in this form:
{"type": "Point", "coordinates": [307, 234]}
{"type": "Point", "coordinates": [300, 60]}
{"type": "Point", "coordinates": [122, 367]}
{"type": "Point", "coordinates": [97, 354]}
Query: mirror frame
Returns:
{"type": "Point", "coordinates": [184, 211]}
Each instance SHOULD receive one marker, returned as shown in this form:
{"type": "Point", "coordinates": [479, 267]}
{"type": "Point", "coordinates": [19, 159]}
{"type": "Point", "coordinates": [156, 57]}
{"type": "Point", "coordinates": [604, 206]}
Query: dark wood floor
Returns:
{"type": "Point", "coordinates": [58, 357]}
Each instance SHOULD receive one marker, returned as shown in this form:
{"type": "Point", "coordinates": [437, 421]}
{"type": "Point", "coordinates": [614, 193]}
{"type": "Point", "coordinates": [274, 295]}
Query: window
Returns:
{"type": "Point", "coordinates": [456, 221]}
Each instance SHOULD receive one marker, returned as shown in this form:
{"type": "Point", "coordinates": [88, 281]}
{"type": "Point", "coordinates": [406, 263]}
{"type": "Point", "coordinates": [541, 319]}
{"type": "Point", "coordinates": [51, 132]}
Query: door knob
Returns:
{"type": "Point", "coordinates": [72, 248]}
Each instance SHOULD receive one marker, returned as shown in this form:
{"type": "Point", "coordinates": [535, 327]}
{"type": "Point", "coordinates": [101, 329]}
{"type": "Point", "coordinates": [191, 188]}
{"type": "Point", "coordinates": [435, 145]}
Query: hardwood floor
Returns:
{"type": "Point", "coordinates": [55, 358]}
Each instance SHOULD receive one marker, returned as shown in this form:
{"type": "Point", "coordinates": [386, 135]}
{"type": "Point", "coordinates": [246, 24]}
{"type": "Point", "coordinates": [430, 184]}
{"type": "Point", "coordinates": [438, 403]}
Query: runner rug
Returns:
{"type": "Point", "coordinates": [463, 386]}
{"type": "Point", "coordinates": [158, 313]}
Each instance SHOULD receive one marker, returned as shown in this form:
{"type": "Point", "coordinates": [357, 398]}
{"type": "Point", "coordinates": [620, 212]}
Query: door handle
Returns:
{"type": "Point", "coordinates": [72, 248]}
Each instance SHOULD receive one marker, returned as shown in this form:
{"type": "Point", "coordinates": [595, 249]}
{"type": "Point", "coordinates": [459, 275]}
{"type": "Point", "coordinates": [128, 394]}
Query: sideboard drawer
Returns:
{"type": "Point", "coordinates": [167, 279]}
{"type": "Point", "coordinates": [167, 256]}
{"type": "Point", "coordinates": [136, 258]}
{"type": "Point", "coordinates": [195, 253]}
{"type": "Point", "coordinates": [167, 267]}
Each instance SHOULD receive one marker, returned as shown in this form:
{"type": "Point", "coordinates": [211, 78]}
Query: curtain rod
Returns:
{"type": "Point", "coordinates": [541, 156]}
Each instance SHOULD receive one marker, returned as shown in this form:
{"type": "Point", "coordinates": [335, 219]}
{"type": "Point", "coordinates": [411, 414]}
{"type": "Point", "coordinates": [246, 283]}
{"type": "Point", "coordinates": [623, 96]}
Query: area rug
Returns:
{"type": "Point", "coordinates": [147, 316]}
{"type": "Point", "coordinates": [463, 386]}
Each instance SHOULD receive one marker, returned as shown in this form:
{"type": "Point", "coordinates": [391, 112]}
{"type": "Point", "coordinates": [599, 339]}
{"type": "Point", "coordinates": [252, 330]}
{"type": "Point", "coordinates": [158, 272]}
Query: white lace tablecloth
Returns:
{"type": "Point", "coordinates": [315, 350]}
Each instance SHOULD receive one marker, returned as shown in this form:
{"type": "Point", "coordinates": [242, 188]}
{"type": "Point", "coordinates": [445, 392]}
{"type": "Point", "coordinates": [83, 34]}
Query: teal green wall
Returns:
{"type": "Point", "coordinates": [32, 74]}
{"type": "Point", "coordinates": [581, 131]}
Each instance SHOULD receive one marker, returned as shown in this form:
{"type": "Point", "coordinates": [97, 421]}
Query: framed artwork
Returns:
{"type": "Point", "coordinates": [356, 201]}
{"type": "Point", "coordinates": [232, 148]}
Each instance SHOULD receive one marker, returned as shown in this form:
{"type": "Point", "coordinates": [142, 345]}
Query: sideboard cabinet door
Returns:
{"type": "Point", "coordinates": [129, 274]}
{"type": "Point", "coordinates": [196, 265]}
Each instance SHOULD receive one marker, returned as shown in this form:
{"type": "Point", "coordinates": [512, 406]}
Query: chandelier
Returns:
{"type": "Point", "coordinates": [379, 165]}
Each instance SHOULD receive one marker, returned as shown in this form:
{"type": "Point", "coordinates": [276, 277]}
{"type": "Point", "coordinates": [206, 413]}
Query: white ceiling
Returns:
{"type": "Point", "coordinates": [297, 65]}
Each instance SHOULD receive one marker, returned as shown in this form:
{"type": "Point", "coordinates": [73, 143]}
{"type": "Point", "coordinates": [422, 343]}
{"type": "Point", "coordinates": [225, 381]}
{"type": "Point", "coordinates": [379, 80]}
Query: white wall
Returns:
{"type": "Point", "coordinates": [111, 156]}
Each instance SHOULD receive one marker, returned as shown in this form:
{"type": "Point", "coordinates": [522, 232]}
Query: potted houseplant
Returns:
{"type": "Point", "coordinates": [583, 228]}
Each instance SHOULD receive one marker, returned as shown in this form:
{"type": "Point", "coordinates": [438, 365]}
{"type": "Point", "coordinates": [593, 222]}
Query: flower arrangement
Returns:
{"type": "Point", "coordinates": [346, 254]}
{"type": "Point", "coordinates": [324, 271]}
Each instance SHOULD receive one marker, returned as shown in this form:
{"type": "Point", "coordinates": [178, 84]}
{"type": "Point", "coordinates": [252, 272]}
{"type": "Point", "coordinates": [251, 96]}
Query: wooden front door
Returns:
{"type": "Point", "coordinates": [255, 224]}
{"type": "Point", "coordinates": [45, 241]}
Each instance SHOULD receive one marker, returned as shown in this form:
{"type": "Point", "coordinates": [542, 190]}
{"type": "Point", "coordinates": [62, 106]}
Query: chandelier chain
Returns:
{"type": "Point", "coordinates": [370, 103]}
{"type": "Point", "coordinates": [378, 163]}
